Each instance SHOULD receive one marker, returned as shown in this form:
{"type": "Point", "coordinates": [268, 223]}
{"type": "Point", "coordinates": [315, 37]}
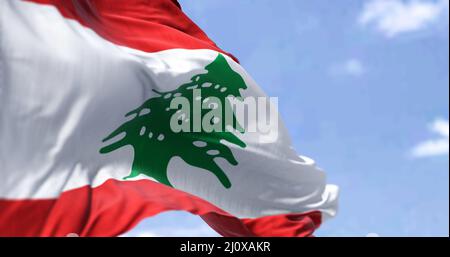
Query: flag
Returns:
{"type": "Point", "coordinates": [115, 111]}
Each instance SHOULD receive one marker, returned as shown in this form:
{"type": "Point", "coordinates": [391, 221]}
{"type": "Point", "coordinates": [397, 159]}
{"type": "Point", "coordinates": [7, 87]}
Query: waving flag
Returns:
{"type": "Point", "coordinates": [93, 138]}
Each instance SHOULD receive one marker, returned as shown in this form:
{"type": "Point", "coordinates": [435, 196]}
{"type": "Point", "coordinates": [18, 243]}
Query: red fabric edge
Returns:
{"type": "Point", "coordinates": [149, 26]}
{"type": "Point", "coordinates": [117, 206]}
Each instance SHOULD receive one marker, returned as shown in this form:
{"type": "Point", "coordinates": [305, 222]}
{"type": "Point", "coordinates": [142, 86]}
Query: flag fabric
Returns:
{"type": "Point", "coordinates": [86, 147]}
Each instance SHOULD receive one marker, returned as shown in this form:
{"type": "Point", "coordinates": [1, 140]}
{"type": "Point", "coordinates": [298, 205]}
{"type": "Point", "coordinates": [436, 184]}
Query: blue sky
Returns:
{"type": "Point", "coordinates": [363, 89]}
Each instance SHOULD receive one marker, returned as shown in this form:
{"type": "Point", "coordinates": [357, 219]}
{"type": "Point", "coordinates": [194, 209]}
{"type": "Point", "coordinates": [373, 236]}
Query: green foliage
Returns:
{"type": "Point", "coordinates": [155, 143]}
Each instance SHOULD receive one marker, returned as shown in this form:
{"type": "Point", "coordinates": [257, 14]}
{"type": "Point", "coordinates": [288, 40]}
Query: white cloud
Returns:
{"type": "Point", "coordinates": [140, 233]}
{"type": "Point", "coordinates": [147, 234]}
{"type": "Point", "coordinates": [352, 67]}
{"type": "Point", "coordinates": [393, 17]}
{"type": "Point", "coordinates": [202, 230]}
{"type": "Point", "coordinates": [433, 147]}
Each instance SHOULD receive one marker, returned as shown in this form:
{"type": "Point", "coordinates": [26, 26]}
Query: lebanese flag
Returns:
{"type": "Point", "coordinates": [85, 142]}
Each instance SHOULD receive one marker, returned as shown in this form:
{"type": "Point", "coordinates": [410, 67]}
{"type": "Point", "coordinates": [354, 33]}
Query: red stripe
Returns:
{"type": "Point", "coordinates": [149, 26]}
{"type": "Point", "coordinates": [117, 206]}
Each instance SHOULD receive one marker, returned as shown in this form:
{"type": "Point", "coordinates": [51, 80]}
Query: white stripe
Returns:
{"type": "Point", "coordinates": [65, 88]}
